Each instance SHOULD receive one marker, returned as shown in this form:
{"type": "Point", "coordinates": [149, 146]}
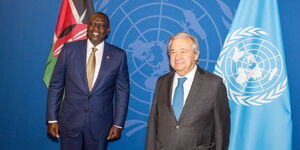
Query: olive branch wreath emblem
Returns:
{"type": "Point", "coordinates": [238, 97]}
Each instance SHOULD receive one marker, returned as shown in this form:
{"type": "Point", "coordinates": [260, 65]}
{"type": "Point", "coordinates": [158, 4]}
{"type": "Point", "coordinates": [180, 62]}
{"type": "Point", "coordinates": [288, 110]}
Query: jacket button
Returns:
{"type": "Point", "coordinates": [85, 110]}
{"type": "Point", "coordinates": [177, 126]}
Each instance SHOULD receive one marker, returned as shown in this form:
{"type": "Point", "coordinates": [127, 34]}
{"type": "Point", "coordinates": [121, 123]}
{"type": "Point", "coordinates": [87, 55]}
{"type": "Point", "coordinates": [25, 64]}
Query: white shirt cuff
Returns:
{"type": "Point", "coordinates": [118, 126]}
{"type": "Point", "coordinates": [52, 121]}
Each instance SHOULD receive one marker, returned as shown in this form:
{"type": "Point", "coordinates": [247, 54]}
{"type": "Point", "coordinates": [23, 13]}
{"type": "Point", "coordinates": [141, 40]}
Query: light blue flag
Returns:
{"type": "Point", "coordinates": [252, 65]}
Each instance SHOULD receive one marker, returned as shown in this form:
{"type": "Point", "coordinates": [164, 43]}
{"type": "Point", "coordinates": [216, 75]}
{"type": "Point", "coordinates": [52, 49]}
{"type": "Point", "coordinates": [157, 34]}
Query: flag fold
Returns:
{"type": "Point", "coordinates": [252, 65]}
{"type": "Point", "coordinates": [71, 26]}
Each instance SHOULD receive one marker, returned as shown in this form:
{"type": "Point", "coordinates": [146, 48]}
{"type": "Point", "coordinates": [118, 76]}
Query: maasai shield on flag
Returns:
{"type": "Point", "coordinates": [71, 26]}
{"type": "Point", "coordinates": [252, 65]}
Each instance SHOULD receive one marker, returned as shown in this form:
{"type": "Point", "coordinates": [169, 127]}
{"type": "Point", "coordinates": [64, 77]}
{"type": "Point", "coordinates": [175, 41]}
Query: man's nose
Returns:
{"type": "Point", "coordinates": [96, 27]}
{"type": "Point", "coordinates": [177, 56]}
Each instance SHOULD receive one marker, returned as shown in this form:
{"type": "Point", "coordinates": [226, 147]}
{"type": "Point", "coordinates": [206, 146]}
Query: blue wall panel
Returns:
{"type": "Point", "coordinates": [27, 30]}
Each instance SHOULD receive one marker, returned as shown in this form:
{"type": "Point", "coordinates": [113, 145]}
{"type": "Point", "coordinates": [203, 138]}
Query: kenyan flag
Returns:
{"type": "Point", "coordinates": [71, 26]}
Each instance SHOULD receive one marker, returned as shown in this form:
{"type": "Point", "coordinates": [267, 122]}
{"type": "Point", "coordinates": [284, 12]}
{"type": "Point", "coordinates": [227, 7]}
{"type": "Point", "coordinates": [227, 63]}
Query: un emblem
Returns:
{"type": "Point", "coordinates": [252, 67]}
{"type": "Point", "coordinates": [143, 28]}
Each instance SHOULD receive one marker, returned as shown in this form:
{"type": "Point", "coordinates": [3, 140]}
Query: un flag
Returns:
{"type": "Point", "coordinates": [252, 65]}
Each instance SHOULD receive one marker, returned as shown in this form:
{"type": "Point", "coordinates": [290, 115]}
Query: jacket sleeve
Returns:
{"type": "Point", "coordinates": [121, 93]}
{"type": "Point", "coordinates": [152, 123]}
{"type": "Point", "coordinates": [222, 118]}
{"type": "Point", "coordinates": [56, 87]}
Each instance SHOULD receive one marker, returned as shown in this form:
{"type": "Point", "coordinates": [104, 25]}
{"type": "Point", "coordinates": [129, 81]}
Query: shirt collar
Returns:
{"type": "Point", "coordinates": [189, 75]}
{"type": "Point", "coordinates": [99, 46]}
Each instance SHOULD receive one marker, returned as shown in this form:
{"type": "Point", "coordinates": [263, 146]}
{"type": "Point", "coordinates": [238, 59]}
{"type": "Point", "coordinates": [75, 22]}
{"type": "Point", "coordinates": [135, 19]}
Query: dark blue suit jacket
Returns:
{"type": "Point", "coordinates": [79, 104]}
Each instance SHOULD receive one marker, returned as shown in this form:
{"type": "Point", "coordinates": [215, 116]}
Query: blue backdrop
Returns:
{"type": "Point", "coordinates": [142, 28]}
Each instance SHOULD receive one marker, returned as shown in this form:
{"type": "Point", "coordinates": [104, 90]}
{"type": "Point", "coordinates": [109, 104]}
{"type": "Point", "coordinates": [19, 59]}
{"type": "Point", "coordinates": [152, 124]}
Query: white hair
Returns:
{"type": "Point", "coordinates": [181, 35]}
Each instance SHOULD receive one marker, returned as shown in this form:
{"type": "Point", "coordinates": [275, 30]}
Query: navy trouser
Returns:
{"type": "Point", "coordinates": [84, 141]}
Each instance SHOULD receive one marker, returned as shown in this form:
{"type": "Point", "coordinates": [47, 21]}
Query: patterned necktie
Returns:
{"type": "Point", "coordinates": [90, 68]}
{"type": "Point", "coordinates": [178, 97]}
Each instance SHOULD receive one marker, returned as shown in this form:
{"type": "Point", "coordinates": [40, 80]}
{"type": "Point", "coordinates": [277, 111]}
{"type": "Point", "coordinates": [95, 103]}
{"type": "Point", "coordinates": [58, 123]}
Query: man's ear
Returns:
{"type": "Point", "coordinates": [197, 55]}
{"type": "Point", "coordinates": [108, 30]}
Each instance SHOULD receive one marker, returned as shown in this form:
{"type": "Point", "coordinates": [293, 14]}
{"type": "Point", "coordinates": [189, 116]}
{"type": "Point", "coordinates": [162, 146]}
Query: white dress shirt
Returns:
{"type": "Point", "coordinates": [186, 85]}
{"type": "Point", "coordinates": [98, 55]}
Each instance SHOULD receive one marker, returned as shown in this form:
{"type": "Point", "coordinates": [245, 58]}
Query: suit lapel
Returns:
{"type": "Point", "coordinates": [194, 92]}
{"type": "Point", "coordinates": [82, 59]}
{"type": "Point", "coordinates": [106, 58]}
{"type": "Point", "coordinates": [169, 94]}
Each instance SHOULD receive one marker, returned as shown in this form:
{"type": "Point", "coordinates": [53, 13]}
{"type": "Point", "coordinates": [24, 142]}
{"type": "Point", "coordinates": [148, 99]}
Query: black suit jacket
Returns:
{"type": "Point", "coordinates": [204, 123]}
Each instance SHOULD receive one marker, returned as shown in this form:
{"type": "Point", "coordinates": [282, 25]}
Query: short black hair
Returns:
{"type": "Point", "coordinates": [103, 14]}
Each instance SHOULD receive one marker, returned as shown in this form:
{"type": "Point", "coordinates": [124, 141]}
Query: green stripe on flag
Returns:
{"type": "Point", "coordinates": [49, 67]}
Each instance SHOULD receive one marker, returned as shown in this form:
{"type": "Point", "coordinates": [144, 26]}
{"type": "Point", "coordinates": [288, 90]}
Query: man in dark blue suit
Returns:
{"type": "Point", "coordinates": [88, 75]}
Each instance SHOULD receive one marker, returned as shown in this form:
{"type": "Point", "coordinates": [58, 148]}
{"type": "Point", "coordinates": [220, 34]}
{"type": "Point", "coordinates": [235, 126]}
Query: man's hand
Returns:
{"type": "Point", "coordinates": [114, 133]}
{"type": "Point", "coordinates": [53, 129]}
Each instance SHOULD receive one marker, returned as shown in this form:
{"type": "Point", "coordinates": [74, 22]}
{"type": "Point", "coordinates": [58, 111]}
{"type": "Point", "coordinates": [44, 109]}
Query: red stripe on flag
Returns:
{"type": "Point", "coordinates": [65, 18]}
{"type": "Point", "coordinates": [67, 30]}
{"type": "Point", "coordinates": [72, 36]}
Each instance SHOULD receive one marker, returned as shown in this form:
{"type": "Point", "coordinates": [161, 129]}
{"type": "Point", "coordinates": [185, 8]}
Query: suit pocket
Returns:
{"type": "Point", "coordinates": [211, 146]}
{"type": "Point", "coordinates": [162, 148]}
{"type": "Point", "coordinates": [159, 146]}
